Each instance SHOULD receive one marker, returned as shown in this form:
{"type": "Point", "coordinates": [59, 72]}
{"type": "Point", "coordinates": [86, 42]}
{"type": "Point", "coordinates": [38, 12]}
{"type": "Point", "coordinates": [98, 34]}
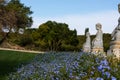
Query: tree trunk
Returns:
{"type": "Point", "coordinates": [4, 38]}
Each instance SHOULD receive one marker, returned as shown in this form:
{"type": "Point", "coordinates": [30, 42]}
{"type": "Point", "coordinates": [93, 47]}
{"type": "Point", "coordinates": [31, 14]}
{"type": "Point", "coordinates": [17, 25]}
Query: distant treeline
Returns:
{"type": "Point", "coordinates": [50, 36]}
{"type": "Point", "coordinates": [53, 36]}
{"type": "Point", "coordinates": [106, 40]}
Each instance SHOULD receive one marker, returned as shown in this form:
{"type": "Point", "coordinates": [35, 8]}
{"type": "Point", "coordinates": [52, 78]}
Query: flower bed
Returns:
{"type": "Point", "coordinates": [69, 66]}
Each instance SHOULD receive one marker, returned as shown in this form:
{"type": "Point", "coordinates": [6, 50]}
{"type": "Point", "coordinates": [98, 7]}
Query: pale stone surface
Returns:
{"type": "Point", "coordinates": [97, 50]}
{"type": "Point", "coordinates": [87, 44]}
{"type": "Point", "coordinates": [116, 33]}
{"type": "Point", "coordinates": [97, 43]}
{"type": "Point", "coordinates": [116, 52]}
{"type": "Point", "coordinates": [114, 48]}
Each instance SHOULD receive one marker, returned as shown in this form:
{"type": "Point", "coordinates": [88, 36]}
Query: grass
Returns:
{"type": "Point", "coordinates": [11, 60]}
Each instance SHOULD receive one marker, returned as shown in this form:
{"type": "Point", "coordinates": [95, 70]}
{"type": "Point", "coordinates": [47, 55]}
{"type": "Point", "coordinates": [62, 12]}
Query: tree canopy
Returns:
{"type": "Point", "coordinates": [55, 36]}
{"type": "Point", "coordinates": [14, 17]}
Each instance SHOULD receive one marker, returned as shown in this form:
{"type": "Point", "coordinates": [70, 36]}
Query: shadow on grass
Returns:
{"type": "Point", "coordinates": [9, 66]}
{"type": "Point", "coordinates": [11, 60]}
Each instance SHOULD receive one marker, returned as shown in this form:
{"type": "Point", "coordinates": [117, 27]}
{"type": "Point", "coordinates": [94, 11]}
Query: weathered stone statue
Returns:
{"type": "Point", "coordinates": [97, 43]}
{"type": "Point", "coordinates": [115, 43]}
{"type": "Point", "coordinates": [87, 44]}
{"type": "Point", "coordinates": [116, 33]}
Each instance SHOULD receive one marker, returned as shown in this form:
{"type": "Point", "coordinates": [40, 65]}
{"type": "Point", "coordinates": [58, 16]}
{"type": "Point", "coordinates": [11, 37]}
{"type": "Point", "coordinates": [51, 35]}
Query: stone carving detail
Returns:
{"type": "Point", "coordinates": [116, 33]}
{"type": "Point", "coordinates": [97, 43]}
{"type": "Point", "coordinates": [87, 44]}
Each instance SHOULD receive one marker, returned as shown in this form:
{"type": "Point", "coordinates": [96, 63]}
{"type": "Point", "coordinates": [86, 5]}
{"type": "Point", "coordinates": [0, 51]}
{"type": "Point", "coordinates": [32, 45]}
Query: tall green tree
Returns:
{"type": "Point", "coordinates": [53, 36]}
{"type": "Point", "coordinates": [15, 16]}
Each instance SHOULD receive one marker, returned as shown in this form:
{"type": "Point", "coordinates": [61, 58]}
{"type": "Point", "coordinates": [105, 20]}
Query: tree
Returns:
{"type": "Point", "coordinates": [15, 17]}
{"type": "Point", "coordinates": [54, 36]}
{"type": "Point", "coordinates": [26, 39]}
{"type": "Point", "coordinates": [106, 41]}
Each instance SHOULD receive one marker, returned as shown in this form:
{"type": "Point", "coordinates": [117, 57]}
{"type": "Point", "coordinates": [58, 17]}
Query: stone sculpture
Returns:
{"type": "Point", "coordinates": [115, 43]}
{"type": "Point", "coordinates": [87, 44]}
{"type": "Point", "coordinates": [97, 43]}
{"type": "Point", "coordinates": [115, 34]}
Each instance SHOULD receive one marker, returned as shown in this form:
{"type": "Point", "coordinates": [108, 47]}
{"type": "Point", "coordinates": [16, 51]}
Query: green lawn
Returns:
{"type": "Point", "coordinates": [11, 60]}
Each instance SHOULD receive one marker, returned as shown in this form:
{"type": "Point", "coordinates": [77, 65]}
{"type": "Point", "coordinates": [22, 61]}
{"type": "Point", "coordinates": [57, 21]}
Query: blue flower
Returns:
{"type": "Point", "coordinates": [104, 62]}
{"type": "Point", "coordinates": [113, 78]}
{"type": "Point", "coordinates": [99, 78]}
{"type": "Point", "coordinates": [91, 79]}
{"type": "Point", "coordinates": [107, 74]}
{"type": "Point", "coordinates": [100, 67]}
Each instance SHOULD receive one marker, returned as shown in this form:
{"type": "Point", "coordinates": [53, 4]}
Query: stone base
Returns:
{"type": "Point", "coordinates": [86, 49]}
{"type": "Point", "coordinates": [114, 48]}
{"type": "Point", "coordinates": [96, 50]}
{"type": "Point", "coordinates": [115, 45]}
{"type": "Point", "coordinates": [114, 42]}
{"type": "Point", "coordinates": [115, 52]}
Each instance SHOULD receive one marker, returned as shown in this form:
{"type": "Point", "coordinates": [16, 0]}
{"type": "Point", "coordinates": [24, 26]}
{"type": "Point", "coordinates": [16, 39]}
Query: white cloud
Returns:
{"type": "Point", "coordinates": [108, 19]}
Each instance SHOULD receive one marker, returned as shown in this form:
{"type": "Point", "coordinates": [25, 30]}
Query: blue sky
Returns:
{"type": "Point", "coordinates": [78, 14]}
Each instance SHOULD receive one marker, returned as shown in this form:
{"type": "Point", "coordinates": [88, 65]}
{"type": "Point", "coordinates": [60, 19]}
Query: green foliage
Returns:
{"type": "Point", "coordinates": [53, 36]}
{"type": "Point", "coordinates": [26, 38]}
{"type": "Point", "coordinates": [10, 60]}
{"type": "Point", "coordinates": [45, 38]}
{"type": "Point", "coordinates": [81, 39]}
{"type": "Point", "coordinates": [22, 13]}
{"type": "Point", "coordinates": [14, 15]}
{"type": "Point", "coordinates": [106, 41]}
